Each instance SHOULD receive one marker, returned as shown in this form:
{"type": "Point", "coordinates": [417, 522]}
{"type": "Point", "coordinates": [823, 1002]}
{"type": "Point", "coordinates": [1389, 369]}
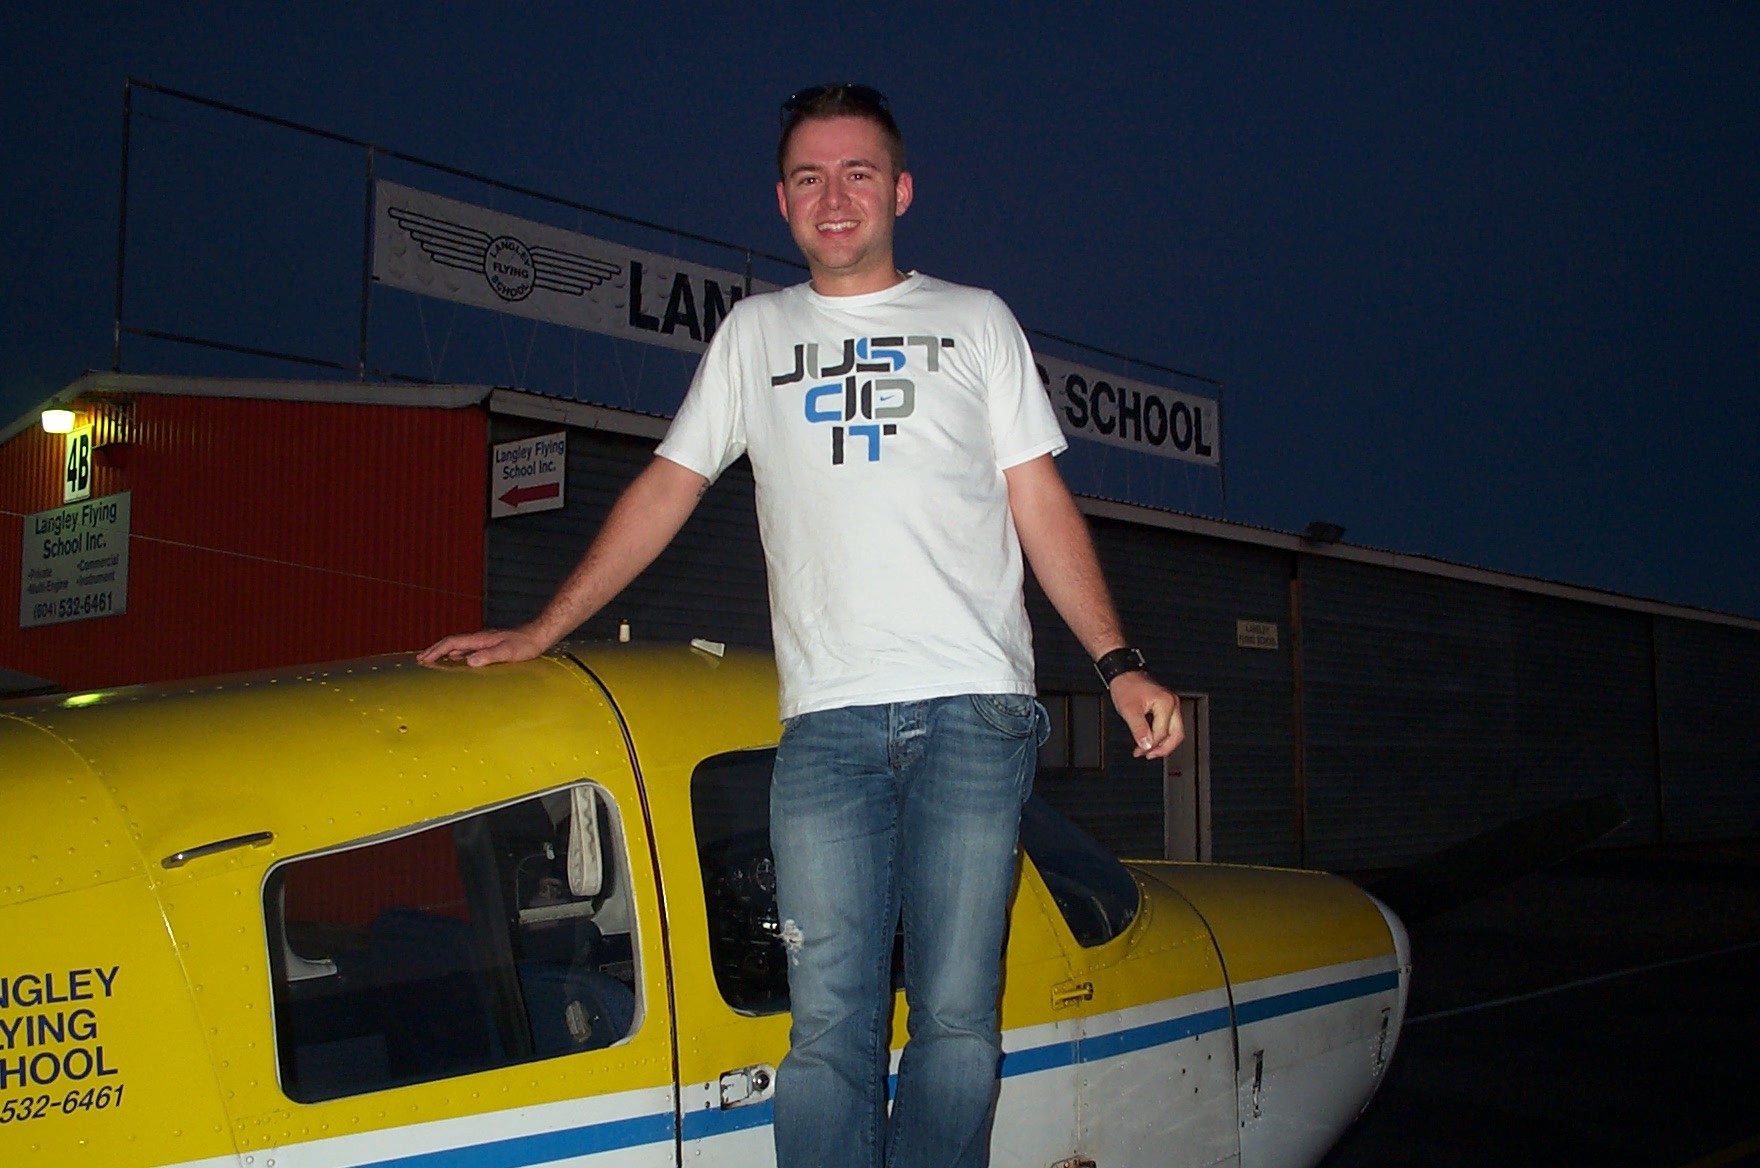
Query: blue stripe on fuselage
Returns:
{"type": "Point", "coordinates": [1296, 1001]}
{"type": "Point", "coordinates": [699, 1125]}
{"type": "Point", "coordinates": [1104, 1046]}
{"type": "Point", "coordinates": [542, 1147]}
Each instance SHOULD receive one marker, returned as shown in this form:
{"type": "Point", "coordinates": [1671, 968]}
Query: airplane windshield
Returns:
{"type": "Point", "coordinates": [1093, 891]}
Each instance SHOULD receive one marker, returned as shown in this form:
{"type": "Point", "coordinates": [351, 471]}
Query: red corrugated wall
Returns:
{"type": "Point", "coordinates": [262, 533]}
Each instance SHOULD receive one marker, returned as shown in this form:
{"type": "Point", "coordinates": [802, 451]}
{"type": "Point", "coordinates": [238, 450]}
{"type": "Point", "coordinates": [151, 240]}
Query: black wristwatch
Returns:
{"type": "Point", "coordinates": [1125, 660]}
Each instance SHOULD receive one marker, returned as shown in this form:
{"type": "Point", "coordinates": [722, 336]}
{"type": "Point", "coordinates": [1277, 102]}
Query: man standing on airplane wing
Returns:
{"type": "Point", "coordinates": [902, 449]}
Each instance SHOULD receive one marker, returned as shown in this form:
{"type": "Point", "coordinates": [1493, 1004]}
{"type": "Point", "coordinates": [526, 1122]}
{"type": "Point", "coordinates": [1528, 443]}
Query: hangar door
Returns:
{"type": "Point", "coordinates": [1185, 785]}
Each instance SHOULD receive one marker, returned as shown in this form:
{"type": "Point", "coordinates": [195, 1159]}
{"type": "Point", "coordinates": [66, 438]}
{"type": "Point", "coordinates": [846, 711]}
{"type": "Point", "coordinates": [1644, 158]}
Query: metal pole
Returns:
{"type": "Point", "coordinates": [1298, 712]}
{"type": "Point", "coordinates": [1658, 758]}
{"type": "Point", "coordinates": [121, 227]}
{"type": "Point", "coordinates": [457, 172]}
{"type": "Point", "coordinates": [366, 267]}
{"type": "Point", "coordinates": [748, 271]}
{"type": "Point", "coordinates": [1221, 458]}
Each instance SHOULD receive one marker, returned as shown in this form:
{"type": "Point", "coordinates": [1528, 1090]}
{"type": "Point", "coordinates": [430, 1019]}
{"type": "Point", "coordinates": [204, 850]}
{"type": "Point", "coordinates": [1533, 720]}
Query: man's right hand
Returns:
{"type": "Point", "coordinates": [484, 648]}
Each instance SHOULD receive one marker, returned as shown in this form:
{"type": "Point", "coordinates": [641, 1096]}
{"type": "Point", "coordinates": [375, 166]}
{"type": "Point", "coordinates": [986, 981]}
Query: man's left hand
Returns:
{"type": "Point", "coordinates": [1152, 713]}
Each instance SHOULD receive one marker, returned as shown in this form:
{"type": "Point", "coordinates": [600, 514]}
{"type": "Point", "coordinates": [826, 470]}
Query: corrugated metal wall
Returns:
{"type": "Point", "coordinates": [1179, 597]}
{"type": "Point", "coordinates": [1438, 708]}
{"type": "Point", "coordinates": [709, 583]}
{"type": "Point", "coordinates": [262, 533]}
{"type": "Point", "coordinates": [1585, 709]}
{"type": "Point", "coordinates": [1709, 680]}
{"type": "Point", "coordinates": [1408, 692]}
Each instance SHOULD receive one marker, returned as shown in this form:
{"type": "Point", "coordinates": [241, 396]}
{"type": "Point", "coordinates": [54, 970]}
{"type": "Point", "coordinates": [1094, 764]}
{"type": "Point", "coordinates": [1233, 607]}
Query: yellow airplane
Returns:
{"type": "Point", "coordinates": [376, 914]}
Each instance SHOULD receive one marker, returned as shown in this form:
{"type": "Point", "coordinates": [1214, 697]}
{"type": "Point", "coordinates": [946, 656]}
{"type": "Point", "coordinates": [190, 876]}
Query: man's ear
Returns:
{"type": "Point", "coordinates": [901, 193]}
{"type": "Point", "coordinates": [782, 200]}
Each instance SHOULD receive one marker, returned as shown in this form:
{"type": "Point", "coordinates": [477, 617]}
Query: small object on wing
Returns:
{"type": "Point", "coordinates": [713, 648]}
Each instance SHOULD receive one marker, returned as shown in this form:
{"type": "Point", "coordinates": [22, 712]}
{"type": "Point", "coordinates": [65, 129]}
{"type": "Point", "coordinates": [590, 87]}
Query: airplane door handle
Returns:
{"type": "Point", "coordinates": [747, 1085]}
{"type": "Point", "coordinates": [1071, 992]}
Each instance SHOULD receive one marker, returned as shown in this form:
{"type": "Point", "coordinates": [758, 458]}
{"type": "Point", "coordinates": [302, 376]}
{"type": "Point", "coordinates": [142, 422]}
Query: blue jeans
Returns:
{"type": "Point", "coordinates": [880, 813]}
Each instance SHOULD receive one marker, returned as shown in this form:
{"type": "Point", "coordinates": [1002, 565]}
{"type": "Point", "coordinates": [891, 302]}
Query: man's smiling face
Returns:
{"type": "Point", "coordinates": [840, 197]}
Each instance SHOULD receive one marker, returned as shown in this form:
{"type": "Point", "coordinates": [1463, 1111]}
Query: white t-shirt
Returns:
{"type": "Point", "coordinates": [878, 428]}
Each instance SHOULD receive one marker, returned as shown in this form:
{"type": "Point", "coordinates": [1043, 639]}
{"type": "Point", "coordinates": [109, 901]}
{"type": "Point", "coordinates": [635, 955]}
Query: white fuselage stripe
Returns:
{"type": "Point", "coordinates": [1190, 1016]}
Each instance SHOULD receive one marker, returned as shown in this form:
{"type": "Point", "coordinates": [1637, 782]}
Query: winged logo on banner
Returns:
{"type": "Point", "coordinates": [511, 268]}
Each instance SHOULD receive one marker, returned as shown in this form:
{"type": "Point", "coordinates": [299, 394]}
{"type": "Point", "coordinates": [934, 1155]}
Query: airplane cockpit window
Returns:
{"type": "Point", "coordinates": [1095, 893]}
{"type": "Point", "coordinates": [730, 804]}
{"type": "Point", "coordinates": [500, 938]}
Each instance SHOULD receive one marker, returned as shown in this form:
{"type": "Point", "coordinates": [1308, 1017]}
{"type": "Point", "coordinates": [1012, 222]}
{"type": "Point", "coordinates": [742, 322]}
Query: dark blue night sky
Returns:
{"type": "Point", "coordinates": [1480, 279]}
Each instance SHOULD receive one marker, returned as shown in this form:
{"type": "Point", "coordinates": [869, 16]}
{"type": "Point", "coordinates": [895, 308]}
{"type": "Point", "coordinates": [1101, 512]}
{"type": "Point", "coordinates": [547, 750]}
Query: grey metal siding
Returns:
{"type": "Point", "coordinates": [1437, 708]}
{"type": "Point", "coordinates": [1179, 597]}
{"type": "Point", "coordinates": [1585, 719]}
{"type": "Point", "coordinates": [1709, 682]}
{"type": "Point", "coordinates": [1407, 685]}
{"type": "Point", "coordinates": [709, 583]}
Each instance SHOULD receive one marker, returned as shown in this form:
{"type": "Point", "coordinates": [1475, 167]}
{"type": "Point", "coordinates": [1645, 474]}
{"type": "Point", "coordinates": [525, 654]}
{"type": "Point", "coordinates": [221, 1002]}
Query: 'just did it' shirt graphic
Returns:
{"type": "Point", "coordinates": [864, 393]}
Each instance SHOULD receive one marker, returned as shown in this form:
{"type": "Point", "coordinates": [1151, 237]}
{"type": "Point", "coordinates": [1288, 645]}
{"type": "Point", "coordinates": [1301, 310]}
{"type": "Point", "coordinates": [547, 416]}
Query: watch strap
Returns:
{"type": "Point", "coordinates": [1126, 660]}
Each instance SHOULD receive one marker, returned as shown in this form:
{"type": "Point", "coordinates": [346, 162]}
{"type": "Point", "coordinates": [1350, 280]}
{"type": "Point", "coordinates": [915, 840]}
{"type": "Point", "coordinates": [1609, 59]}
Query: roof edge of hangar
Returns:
{"type": "Point", "coordinates": [500, 399]}
{"type": "Point", "coordinates": [431, 396]}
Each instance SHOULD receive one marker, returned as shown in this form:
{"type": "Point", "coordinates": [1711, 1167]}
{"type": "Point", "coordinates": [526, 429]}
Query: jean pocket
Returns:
{"type": "Point", "coordinates": [1015, 715]}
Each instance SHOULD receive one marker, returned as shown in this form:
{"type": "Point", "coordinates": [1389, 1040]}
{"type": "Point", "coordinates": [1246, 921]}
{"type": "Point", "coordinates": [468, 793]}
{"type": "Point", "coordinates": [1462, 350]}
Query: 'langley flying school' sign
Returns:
{"type": "Point", "coordinates": [441, 247]}
{"type": "Point", "coordinates": [1100, 407]}
{"type": "Point", "coordinates": [456, 251]}
{"type": "Point", "coordinates": [75, 562]}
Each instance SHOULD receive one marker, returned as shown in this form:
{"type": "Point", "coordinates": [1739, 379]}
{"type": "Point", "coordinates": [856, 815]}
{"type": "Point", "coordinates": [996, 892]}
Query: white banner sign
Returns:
{"type": "Point", "coordinates": [527, 475]}
{"type": "Point", "coordinates": [75, 562]}
{"type": "Point", "coordinates": [455, 251]}
{"type": "Point", "coordinates": [1097, 406]}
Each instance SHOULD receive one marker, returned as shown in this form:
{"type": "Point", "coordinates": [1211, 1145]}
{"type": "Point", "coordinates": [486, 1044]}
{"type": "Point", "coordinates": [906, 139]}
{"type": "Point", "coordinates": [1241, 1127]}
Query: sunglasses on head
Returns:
{"type": "Point", "coordinates": [802, 98]}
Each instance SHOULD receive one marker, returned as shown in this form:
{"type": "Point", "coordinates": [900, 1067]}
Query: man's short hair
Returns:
{"type": "Point", "coordinates": [844, 100]}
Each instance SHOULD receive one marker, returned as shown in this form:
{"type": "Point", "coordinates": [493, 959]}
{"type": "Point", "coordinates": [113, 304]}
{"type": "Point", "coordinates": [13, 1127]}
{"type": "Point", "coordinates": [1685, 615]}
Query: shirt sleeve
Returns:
{"type": "Point", "coordinates": [708, 433]}
{"type": "Point", "coordinates": [1022, 423]}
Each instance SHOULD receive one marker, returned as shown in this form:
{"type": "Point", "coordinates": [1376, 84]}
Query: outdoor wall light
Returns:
{"type": "Point", "coordinates": [59, 421]}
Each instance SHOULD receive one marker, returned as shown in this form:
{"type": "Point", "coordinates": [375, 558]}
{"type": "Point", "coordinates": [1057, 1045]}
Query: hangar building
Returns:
{"type": "Point", "coordinates": [1350, 708]}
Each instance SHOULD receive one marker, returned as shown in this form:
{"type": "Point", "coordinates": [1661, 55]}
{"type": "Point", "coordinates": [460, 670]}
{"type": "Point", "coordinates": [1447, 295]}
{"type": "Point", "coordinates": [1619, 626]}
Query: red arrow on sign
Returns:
{"type": "Point", "coordinates": [522, 495]}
